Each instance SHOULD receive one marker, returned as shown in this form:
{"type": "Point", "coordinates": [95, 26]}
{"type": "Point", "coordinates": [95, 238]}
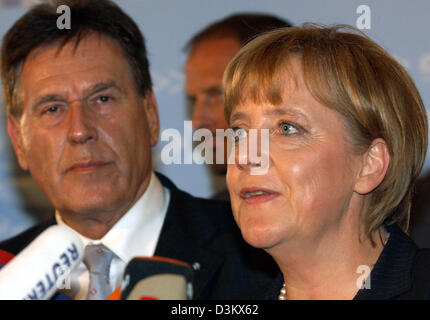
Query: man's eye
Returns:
{"type": "Point", "coordinates": [287, 128]}
{"type": "Point", "coordinates": [51, 109]}
{"type": "Point", "coordinates": [216, 93]}
{"type": "Point", "coordinates": [239, 134]}
{"type": "Point", "coordinates": [191, 101]}
{"type": "Point", "coordinates": [104, 99]}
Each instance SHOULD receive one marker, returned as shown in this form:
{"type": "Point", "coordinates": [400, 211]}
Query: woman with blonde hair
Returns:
{"type": "Point", "coordinates": [347, 141]}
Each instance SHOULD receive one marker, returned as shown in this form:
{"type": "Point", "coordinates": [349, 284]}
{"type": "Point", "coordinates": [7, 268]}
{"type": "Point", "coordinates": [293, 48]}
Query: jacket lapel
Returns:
{"type": "Point", "coordinates": [391, 275]}
{"type": "Point", "coordinates": [184, 235]}
{"type": "Point", "coordinates": [204, 262]}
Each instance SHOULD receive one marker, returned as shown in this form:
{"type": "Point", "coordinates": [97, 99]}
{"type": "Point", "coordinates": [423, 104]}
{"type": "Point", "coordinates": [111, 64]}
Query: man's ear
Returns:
{"type": "Point", "coordinates": [151, 109]}
{"type": "Point", "coordinates": [14, 131]}
{"type": "Point", "coordinates": [374, 166]}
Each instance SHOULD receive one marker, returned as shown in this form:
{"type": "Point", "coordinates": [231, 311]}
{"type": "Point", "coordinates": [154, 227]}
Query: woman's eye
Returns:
{"type": "Point", "coordinates": [239, 134]}
{"type": "Point", "coordinates": [287, 128]}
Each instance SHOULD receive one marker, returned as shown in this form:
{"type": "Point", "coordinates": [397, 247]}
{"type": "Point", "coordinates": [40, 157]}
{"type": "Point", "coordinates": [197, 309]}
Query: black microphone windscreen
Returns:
{"type": "Point", "coordinates": [157, 278]}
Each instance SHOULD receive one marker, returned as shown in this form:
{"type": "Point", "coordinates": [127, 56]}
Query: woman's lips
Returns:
{"type": "Point", "coordinates": [255, 195]}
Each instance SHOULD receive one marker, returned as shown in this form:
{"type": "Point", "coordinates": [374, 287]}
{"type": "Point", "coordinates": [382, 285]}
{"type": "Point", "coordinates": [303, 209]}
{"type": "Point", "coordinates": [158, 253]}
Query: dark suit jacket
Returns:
{"type": "Point", "coordinates": [420, 212]}
{"type": "Point", "coordinates": [203, 233]}
{"type": "Point", "coordinates": [402, 272]}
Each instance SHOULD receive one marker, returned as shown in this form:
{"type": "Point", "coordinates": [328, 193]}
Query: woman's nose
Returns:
{"type": "Point", "coordinates": [252, 153]}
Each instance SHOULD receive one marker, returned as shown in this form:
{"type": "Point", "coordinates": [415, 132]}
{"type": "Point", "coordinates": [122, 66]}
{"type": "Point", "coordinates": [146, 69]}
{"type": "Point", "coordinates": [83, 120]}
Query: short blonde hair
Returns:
{"type": "Point", "coordinates": [349, 73]}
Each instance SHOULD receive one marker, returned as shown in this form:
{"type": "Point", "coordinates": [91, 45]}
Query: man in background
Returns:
{"type": "Point", "coordinates": [209, 52]}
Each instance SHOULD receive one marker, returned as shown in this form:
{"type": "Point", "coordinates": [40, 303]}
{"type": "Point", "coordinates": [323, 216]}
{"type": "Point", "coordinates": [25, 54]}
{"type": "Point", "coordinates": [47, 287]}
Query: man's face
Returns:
{"type": "Point", "coordinates": [204, 71]}
{"type": "Point", "coordinates": [85, 134]}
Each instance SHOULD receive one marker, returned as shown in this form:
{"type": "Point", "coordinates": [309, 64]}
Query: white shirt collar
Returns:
{"type": "Point", "coordinates": [137, 232]}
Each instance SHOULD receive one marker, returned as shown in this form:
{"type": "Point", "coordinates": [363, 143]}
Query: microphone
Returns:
{"type": "Point", "coordinates": [43, 267]}
{"type": "Point", "coordinates": [5, 257]}
{"type": "Point", "coordinates": [157, 278]}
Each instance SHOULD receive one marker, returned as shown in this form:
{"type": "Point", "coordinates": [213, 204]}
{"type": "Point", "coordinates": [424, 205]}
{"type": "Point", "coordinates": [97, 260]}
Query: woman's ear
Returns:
{"type": "Point", "coordinates": [374, 166]}
{"type": "Point", "coordinates": [14, 131]}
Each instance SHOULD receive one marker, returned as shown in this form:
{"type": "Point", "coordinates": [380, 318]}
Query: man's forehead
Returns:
{"type": "Point", "coordinates": [91, 53]}
{"type": "Point", "coordinates": [218, 41]}
{"type": "Point", "coordinates": [214, 48]}
{"type": "Point", "coordinates": [207, 61]}
{"type": "Point", "coordinates": [78, 45]}
{"type": "Point", "coordinates": [74, 70]}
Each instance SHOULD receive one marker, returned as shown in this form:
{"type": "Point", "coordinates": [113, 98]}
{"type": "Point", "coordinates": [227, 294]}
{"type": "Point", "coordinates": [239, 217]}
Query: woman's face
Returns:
{"type": "Point", "coordinates": [310, 180]}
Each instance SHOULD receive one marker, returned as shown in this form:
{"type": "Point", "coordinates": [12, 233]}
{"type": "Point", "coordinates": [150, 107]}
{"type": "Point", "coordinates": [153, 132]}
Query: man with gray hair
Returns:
{"type": "Point", "coordinates": [82, 118]}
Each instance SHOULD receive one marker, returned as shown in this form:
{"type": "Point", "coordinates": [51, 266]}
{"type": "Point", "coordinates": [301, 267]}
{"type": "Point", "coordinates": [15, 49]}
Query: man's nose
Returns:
{"type": "Point", "coordinates": [81, 128]}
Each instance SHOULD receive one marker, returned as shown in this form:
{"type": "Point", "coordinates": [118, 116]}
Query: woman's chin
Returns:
{"type": "Point", "coordinates": [261, 237]}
